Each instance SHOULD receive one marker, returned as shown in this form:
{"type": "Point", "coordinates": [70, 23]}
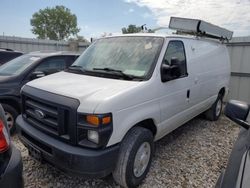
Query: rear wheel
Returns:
{"type": "Point", "coordinates": [10, 115]}
{"type": "Point", "coordinates": [214, 112]}
{"type": "Point", "coordinates": [134, 158]}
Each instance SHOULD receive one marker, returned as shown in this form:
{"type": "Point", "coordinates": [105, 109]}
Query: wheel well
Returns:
{"type": "Point", "coordinates": [148, 124]}
{"type": "Point", "coordinates": [222, 92]}
{"type": "Point", "coordinates": [12, 103]}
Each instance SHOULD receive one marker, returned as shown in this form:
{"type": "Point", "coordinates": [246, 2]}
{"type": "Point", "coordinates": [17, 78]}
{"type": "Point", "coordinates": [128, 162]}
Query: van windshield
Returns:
{"type": "Point", "coordinates": [17, 65]}
{"type": "Point", "coordinates": [134, 56]}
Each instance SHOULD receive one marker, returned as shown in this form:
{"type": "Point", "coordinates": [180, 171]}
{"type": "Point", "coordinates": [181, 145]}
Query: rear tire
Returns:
{"type": "Point", "coordinates": [134, 158]}
{"type": "Point", "coordinates": [11, 115]}
{"type": "Point", "coordinates": [214, 112]}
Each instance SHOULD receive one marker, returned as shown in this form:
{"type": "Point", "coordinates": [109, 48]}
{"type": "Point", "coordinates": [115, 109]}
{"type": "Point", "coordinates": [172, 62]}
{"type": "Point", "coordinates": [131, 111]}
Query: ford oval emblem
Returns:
{"type": "Point", "coordinates": [39, 114]}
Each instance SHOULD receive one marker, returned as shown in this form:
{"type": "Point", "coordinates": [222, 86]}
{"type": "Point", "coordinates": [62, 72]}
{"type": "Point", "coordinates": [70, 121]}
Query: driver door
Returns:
{"type": "Point", "coordinates": [174, 101]}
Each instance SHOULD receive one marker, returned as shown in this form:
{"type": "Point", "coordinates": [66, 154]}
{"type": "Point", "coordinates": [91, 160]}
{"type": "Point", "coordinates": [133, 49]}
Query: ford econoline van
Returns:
{"type": "Point", "coordinates": [103, 114]}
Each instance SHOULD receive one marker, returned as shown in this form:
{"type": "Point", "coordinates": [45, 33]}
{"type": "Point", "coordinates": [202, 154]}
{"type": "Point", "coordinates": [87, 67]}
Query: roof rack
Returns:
{"type": "Point", "coordinates": [199, 28]}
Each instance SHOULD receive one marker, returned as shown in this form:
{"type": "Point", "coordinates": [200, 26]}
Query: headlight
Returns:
{"type": "Point", "coordinates": [93, 136]}
{"type": "Point", "coordinates": [94, 130]}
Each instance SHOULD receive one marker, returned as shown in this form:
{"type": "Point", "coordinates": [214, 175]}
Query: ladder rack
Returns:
{"type": "Point", "coordinates": [199, 28]}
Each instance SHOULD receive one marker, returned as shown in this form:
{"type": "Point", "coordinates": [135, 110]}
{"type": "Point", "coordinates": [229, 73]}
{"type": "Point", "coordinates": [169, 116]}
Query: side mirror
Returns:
{"type": "Point", "coordinates": [170, 72]}
{"type": "Point", "coordinates": [238, 112]}
{"type": "Point", "coordinates": [176, 67]}
{"type": "Point", "coordinates": [174, 61]}
{"type": "Point", "coordinates": [165, 73]}
{"type": "Point", "coordinates": [37, 74]}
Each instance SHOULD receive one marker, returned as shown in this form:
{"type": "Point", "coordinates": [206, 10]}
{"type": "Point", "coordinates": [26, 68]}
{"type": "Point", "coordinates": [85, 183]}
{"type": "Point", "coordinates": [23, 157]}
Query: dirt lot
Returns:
{"type": "Point", "coordinates": [191, 156]}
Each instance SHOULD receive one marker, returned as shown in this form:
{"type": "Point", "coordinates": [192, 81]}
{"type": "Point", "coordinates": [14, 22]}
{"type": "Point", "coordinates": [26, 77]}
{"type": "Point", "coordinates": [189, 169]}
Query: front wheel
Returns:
{"type": "Point", "coordinates": [134, 158]}
{"type": "Point", "coordinates": [214, 112]}
{"type": "Point", "coordinates": [10, 115]}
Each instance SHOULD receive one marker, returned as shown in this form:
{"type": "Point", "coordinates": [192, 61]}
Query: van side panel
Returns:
{"type": "Point", "coordinates": [210, 68]}
{"type": "Point", "coordinates": [214, 68]}
{"type": "Point", "coordinates": [208, 71]}
{"type": "Point", "coordinates": [204, 81]}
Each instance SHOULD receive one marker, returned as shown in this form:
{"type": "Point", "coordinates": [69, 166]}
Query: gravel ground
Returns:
{"type": "Point", "coordinates": [191, 156]}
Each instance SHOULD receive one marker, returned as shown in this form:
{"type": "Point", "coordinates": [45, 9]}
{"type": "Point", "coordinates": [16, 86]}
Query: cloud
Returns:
{"type": "Point", "coordinates": [232, 14]}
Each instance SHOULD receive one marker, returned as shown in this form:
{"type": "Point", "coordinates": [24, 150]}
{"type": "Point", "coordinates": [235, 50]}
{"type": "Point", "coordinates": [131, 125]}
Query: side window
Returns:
{"type": "Point", "coordinates": [176, 49]}
{"type": "Point", "coordinates": [52, 65]}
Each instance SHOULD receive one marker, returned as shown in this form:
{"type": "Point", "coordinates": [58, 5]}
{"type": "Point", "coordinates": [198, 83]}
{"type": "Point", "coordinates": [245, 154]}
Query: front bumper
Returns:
{"type": "Point", "coordinates": [68, 158]}
{"type": "Point", "coordinates": [12, 176]}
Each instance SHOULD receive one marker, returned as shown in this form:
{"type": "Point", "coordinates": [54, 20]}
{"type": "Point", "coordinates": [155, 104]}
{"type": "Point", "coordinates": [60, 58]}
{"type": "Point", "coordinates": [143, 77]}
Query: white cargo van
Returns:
{"type": "Point", "coordinates": [103, 114]}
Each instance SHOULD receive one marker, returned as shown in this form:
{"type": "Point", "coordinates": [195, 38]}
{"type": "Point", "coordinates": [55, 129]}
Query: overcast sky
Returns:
{"type": "Point", "coordinates": [98, 16]}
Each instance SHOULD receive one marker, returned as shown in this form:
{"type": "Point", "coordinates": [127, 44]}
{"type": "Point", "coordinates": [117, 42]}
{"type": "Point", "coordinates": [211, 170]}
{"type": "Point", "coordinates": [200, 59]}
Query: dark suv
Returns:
{"type": "Point", "coordinates": [19, 71]}
{"type": "Point", "coordinates": [8, 54]}
{"type": "Point", "coordinates": [237, 172]}
{"type": "Point", "coordinates": [11, 166]}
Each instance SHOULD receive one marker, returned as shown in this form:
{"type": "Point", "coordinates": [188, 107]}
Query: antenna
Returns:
{"type": "Point", "coordinates": [144, 29]}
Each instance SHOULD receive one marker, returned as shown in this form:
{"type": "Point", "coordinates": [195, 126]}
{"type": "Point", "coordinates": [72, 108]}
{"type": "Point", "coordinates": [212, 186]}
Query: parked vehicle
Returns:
{"type": "Point", "coordinates": [19, 71]}
{"type": "Point", "coordinates": [237, 173]}
{"type": "Point", "coordinates": [103, 114]}
{"type": "Point", "coordinates": [11, 166]}
{"type": "Point", "coordinates": [8, 54]}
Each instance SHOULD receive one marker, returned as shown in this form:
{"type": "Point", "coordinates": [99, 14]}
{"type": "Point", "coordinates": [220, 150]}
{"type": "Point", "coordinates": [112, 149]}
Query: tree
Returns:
{"type": "Point", "coordinates": [136, 29]}
{"type": "Point", "coordinates": [56, 23]}
{"type": "Point", "coordinates": [131, 29]}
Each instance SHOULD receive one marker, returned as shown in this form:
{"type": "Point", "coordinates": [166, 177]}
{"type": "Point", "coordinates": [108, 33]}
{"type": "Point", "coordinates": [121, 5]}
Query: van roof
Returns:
{"type": "Point", "coordinates": [165, 36]}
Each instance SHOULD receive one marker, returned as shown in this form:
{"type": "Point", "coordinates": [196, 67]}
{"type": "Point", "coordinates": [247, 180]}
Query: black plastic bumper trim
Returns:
{"type": "Point", "coordinates": [72, 159]}
{"type": "Point", "coordinates": [12, 176]}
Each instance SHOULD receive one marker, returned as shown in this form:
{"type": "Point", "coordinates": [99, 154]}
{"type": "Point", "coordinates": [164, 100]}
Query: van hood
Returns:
{"type": "Point", "coordinates": [89, 90]}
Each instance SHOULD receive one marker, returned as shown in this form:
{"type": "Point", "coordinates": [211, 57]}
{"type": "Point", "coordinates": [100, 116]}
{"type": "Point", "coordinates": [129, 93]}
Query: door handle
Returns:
{"type": "Point", "coordinates": [188, 94]}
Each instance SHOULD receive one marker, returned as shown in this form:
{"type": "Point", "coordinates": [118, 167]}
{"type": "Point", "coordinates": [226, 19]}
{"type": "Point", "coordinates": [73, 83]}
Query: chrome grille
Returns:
{"type": "Point", "coordinates": [48, 119]}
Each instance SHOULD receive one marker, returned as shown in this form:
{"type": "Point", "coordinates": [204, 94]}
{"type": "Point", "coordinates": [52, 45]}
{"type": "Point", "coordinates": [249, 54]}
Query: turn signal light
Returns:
{"type": "Point", "coordinates": [93, 120]}
{"type": "Point", "coordinates": [106, 120]}
{"type": "Point", "coordinates": [97, 120]}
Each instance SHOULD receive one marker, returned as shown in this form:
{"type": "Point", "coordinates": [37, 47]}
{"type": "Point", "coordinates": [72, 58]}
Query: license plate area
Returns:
{"type": "Point", "coordinates": [35, 153]}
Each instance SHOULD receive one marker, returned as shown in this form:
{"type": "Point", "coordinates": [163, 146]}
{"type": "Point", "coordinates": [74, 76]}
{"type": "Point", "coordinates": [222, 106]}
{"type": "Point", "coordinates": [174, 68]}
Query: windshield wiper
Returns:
{"type": "Point", "coordinates": [117, 72]}
{"type": "Point", "coordinates": [77, 68]}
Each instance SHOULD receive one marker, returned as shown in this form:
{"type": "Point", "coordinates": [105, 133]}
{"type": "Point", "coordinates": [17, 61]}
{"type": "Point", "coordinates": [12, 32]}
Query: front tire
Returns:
{"type": "Point", "coordinates": [11, 115]}
{"type": "Point", "coordinates": [214, 112]}
{"type": "Point", "coordinates": [134, 158]}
